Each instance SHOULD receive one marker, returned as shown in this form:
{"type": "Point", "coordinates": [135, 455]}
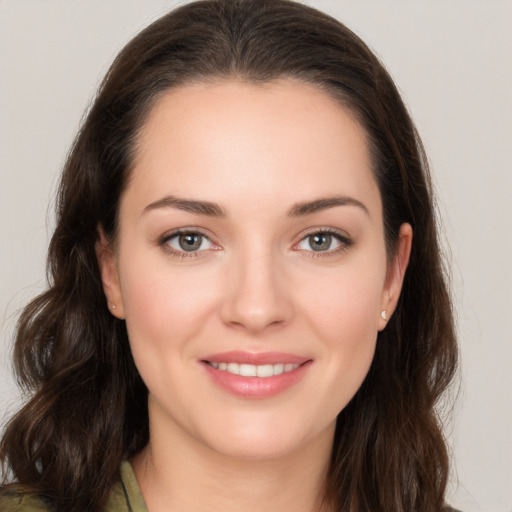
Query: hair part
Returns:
{"type": "Point", "coordinates": [88, 409]}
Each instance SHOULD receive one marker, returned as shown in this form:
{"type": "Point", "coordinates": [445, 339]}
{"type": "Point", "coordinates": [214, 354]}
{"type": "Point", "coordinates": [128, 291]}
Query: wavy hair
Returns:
{"type": "Point", "coordinates": [88, 405]}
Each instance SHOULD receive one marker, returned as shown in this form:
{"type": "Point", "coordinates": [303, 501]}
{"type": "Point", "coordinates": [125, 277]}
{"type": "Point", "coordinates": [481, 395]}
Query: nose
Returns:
{"type": "Point", "coordinates": [258, 297]}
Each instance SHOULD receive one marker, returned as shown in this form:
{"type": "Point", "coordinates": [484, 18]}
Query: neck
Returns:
{"type": "Point", "coordinates": [190, 477]}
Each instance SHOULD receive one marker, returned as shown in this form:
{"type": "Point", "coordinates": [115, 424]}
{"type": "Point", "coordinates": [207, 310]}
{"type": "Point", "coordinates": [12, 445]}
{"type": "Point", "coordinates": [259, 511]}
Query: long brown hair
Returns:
{"type": "Point", "coordinates": [88, 409]}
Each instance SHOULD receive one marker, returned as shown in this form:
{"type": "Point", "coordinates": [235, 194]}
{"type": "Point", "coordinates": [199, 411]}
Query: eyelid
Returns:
{"type": "Point", "coordinates": [341, 236]}
{"type": "Point", "coordinates": [163, 240]}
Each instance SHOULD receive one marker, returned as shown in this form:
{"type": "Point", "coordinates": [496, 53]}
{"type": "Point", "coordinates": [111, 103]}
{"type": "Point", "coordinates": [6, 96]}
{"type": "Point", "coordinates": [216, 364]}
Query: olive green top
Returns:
{"type": "Point", "coordinates": [124, 497]}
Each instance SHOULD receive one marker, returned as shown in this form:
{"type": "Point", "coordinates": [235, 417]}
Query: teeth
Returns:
{"type": "Point", "coordinates": [278, 369]}
{"type": "Point", "coordinates": [247, 370]}
{"type": "Point", "coordinates": [251, 370]}
{"type": "Point", "coordinates": [233, 368]}
{"type": "Point", "coordinates": [265, 370]}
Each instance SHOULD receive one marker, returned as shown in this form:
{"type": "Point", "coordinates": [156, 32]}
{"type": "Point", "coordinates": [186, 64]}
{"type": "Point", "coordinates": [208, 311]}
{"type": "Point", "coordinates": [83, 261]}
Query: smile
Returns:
{"type": "Point", "coordinates": [256, 376]}
{"type": "Point", "coordinates": [252, 370]}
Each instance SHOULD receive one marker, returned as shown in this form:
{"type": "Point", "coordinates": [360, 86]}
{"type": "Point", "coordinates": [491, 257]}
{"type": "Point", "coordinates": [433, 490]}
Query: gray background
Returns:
{"type": "Point", "coordinates": [452, 60]}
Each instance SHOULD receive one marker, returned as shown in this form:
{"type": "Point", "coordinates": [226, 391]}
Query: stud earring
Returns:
{"type": "Point", "coordinates": [113, 306]}
{"type": "Point", "coordinates": [383, 314]}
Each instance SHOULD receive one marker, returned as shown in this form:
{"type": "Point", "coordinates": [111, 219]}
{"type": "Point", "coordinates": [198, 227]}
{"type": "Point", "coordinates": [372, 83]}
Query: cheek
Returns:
{"type": "Point", "coordinates": [351, 333]}
{"type": "Point", "coordinates": [343, 314]}
{"type": "Point", "coordinates": [164, 308]}
{"type": "Point", "coordinates": [160, 305]}
{"type": "Point", "coordinates": [344, 304]}
{"type": "Point", "coordinates": [165, 312]}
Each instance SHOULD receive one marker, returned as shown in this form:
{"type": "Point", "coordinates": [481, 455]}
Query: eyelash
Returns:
{"type": "Point", "coordinates": [164, 242]}
{"type": "Point", "coordinates": [345, 242]}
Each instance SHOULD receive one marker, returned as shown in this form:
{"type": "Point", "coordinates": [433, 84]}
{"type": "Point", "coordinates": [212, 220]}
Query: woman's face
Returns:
{"type": "Point", "coordinates": [250, 265]}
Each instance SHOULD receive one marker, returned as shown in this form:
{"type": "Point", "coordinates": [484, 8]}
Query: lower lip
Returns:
{"type": "Point", "coordinates": [256, 387]}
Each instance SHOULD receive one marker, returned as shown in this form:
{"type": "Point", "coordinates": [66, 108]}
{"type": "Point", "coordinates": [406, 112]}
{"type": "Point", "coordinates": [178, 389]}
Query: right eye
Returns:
{"type": "Point", "coordinates": [188, 242]}
{"type": "Point", "coordinates": [320, 242]}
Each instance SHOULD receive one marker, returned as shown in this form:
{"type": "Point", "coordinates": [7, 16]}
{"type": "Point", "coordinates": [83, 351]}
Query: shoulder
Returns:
{"type": "Point", "coordinates": [125, 494]}
{"type": "Point", "coordinates": [17, 500]}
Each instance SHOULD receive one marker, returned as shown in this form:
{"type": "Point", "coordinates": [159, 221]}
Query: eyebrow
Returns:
{"type": "Point", "coordinates": [307, 208]}
{"type": "Point", "coordinates": [187, 205]}
{"type": "Point", "coordinates": [215, 210]}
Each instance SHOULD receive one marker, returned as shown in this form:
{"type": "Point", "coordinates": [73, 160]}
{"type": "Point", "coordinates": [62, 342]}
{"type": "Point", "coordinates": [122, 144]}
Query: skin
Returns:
{"type": "Point", "coordinates": [255, 284]}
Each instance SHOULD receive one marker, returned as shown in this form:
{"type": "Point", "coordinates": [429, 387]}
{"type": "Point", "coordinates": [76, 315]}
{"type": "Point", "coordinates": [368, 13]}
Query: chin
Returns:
{"type": "Point", "coordinates": [260, 448]}
{"type": "Point", "coordinates": [266, 440]}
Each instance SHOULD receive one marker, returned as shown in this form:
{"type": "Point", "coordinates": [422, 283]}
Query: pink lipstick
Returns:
{"type": "Point", "coordinates": [251, 375]}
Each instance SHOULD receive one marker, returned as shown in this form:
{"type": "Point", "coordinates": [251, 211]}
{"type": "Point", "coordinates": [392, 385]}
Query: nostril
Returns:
{"type": "Point", "coordinates": [256, 297]}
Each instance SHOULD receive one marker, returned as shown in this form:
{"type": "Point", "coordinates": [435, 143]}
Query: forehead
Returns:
{"type": "Point", "coordinates": [271, 142]}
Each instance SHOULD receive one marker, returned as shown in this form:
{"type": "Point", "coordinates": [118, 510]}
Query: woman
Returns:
{"type": "Point", "coordinates": [247, 307]}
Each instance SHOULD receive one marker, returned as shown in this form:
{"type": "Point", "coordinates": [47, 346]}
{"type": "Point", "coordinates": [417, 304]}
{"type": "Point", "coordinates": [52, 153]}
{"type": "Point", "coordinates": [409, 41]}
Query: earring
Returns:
{"type": "Point", "coordinates": [113, 306]}
{"type": "Point", "coordinates": [383, 314]}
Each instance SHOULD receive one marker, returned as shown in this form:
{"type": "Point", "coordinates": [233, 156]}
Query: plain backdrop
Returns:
{"type": "Point", "coordinates": [452, 59]}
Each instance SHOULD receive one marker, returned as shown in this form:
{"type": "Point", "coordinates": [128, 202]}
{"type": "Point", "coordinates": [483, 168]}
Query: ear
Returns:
{"type": "Point", "coordinates": [109, 274]}
{"type": "Point", "coordinates": [395, 275]}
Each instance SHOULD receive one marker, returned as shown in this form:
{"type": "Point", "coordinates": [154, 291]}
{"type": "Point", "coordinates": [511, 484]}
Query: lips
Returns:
{"type": "Point", "coordinates": [250, 375]}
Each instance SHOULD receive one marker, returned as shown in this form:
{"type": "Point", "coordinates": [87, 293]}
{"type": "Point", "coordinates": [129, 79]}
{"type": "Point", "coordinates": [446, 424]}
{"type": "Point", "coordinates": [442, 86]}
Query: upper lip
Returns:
{"type": "Point", "coordinates": [256, 359]}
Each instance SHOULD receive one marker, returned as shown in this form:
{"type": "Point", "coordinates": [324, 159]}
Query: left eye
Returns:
{"type": "Point", "coordinates": [189, 242]}
{"type": "Point", "coordinates": [320, 242]}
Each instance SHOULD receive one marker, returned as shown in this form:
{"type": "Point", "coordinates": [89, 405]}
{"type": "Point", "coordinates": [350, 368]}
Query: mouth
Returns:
{"type": "Point", "coordinates": [248, 375]}
{"type": "Point", "coordinates": [252, 370]}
